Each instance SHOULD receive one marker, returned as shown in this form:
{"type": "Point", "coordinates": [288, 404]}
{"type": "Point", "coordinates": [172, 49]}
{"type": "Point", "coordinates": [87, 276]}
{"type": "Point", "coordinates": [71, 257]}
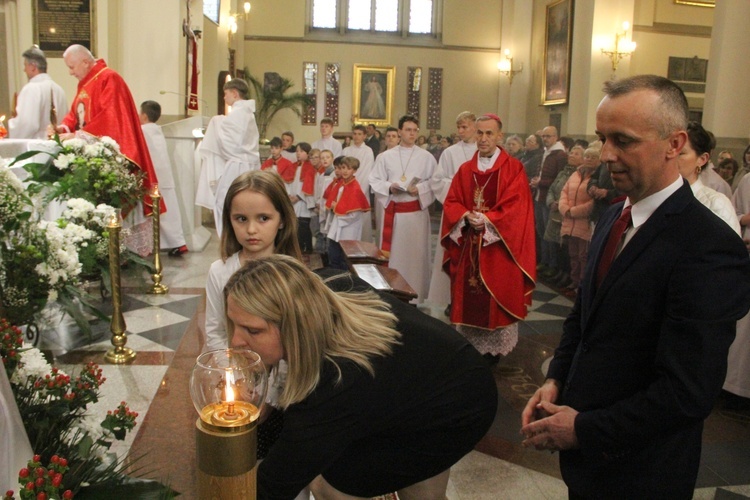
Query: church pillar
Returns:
{"type": "Point", "coordinates": [727, 101]}
{"type": "Point", "coordinates": [516, 37]}
{"type": "Point", "coordinates": [595, 24]}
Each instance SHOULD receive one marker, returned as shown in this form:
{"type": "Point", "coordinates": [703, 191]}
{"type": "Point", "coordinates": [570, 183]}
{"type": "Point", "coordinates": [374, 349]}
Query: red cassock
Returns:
{"type": "Point", "coordinates": [105, 106]}
{"type": "Point", "coordinates": [491, 285]}
{"type": "Point", "coordinates": [284, 167]}
{"type": "Point", "coordinates": [352, 199]}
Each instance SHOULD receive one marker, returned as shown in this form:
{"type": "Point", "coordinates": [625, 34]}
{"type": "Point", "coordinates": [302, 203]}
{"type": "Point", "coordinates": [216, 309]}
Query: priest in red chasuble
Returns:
{"type": "Point", "coordinates": [488, 236]}
{"type": "Point", "coordinates": [104, 106]}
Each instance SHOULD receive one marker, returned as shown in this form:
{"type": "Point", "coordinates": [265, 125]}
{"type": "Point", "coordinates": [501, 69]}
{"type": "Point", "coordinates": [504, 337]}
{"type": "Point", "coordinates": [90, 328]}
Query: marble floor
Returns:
{"type": "Point", "coordinates": [165, 332]}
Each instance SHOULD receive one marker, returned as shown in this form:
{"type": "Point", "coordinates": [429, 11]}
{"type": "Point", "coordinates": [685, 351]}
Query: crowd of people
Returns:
{"type": "Point", "coordinates": [372, 396]}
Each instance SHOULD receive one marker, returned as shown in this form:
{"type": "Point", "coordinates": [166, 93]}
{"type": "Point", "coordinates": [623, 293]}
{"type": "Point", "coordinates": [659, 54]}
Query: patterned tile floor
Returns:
{"type": "Point", "coordinates": [500, 468]}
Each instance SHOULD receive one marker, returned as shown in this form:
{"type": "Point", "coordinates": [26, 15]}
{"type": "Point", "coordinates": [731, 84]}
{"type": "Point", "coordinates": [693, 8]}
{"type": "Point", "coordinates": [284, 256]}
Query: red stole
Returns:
{"type": "Point", "coordinates": [331, 191]}
{"type": "Point", "coordinates": [307, 176]}
{"type": "Point", "coordinates": [284, 167]}
{"type": "Point", "coordinates": [490, 285]}
{"type": "Point", "coordinates": [352, 198]}
{"type": "Point", "coordinates": [107, 108]}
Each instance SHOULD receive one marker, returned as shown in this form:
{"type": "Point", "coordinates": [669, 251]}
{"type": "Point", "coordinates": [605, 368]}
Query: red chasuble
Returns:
{"type": "Point", "coordinates": [352, 199]}
{"type": "Point", "coordinates": [284, 167]}
{"type": "Point", "coordinates": [490, 285]}
{"type": "Point", "coordinates": [104, 106]}
{"type": "Point", "coordinates": [307, 176]}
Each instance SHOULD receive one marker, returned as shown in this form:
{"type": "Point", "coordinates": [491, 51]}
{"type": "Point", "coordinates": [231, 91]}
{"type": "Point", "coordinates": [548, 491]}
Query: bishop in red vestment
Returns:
{"type": "Point", "coordinates": [105, 106]}
{"type": "Point", "coordinates": [488, 236]}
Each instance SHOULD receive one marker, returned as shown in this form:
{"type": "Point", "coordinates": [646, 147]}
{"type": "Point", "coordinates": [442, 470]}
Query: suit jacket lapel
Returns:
{"type": "Point", "coordinates": [646, 234]}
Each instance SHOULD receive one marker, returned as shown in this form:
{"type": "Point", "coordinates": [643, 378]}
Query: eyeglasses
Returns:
{"type": "Point", "coordinates": [314, 157]}
{"type": "Point", "coordinates": [547, 136]}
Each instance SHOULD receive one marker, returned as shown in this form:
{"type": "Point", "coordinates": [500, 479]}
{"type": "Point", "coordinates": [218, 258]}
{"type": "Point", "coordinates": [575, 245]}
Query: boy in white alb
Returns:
{"type": "Point", "coordinates": [400, 180]}
{"type": "Point", "coordinates": [452, 158]}
{"type": "Point", "coordinates": [231, 149]}
{"type": "Point", "coordinates": [326, 140]}
{"type": "Point", "coordinates": [170, 223]}
{"type": "Point", "coordinates": [363, 153]}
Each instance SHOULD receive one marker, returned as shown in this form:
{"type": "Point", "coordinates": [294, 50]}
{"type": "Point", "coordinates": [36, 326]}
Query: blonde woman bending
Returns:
{"type": "Point", "coordinates": [378, 397]}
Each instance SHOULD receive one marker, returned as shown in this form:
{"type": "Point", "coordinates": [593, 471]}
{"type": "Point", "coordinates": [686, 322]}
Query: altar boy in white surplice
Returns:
{"type": "Point", "coordinates": [229, 148]}
{"type": "Point", "coordinates": [171, 235]}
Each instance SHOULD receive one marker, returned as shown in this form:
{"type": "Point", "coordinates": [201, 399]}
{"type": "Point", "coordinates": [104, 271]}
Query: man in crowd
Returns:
{"type": "Point", "coordinates": [103, 106]}
{"type": "Point", "coordinates": [488, 236]}
{"type": "Point", "coordinates": [288, 149]}
{"type": "Point", "coordinates": [644, 351]}
{"type": "Point", "coordinates": [326, 140]}
{"type": "Point", "coordinates": [403, 195]}
{"type": "Point", "coordinates": [36, 99]}
{"type": "Point", "coordinates": [391, 138]}
{"type": "Point", "coordinates": [372, 140]}
{"type": "Point", "coordinates": [554, 160]}
{"type": "Point", "coordinates": [451, 159]}
{"type": "Point", "coordinates": [361, 152]}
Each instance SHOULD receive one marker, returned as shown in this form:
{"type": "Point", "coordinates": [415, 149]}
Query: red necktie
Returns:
{"type": "Point", "coordinates": [610, 249]}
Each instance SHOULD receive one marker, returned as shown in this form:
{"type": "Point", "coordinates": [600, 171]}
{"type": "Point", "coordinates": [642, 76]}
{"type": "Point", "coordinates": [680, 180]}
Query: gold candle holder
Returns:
{"type": "Point", "coordinates": [119, 353]}
{"type": "Point", "coordinates": [158, 288]}
{"type": "Point", "coordinates": [228, 388]}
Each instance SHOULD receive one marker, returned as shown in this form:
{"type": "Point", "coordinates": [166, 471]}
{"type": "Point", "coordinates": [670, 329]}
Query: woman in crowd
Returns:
{"type": "Point", "coordinates": [552, 231]}
{"type": "Point", "coordinates": [600, 187]}
{"type": "Point", "coordinates": [727, 169]}
{"type": "Point", "coordinates": [378, 398]}
{"type": "Point", "coordinates": [693, 159]}
{"type": "Point", "coordinates": [532, 156]}
{"type": "Point", "coordinates": [744, 170]}
{"type": "Point", "coordinates": [514, 146]}
{"type": "Point", "coordinates": [576, 206]}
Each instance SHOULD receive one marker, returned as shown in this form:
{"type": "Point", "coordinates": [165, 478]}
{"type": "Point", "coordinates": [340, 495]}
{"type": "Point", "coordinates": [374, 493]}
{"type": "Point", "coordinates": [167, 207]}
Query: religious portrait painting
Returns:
{"type": "Point", "coordinates": [373, 94]}
{"type": "Point", "coordinates": [557, 45]}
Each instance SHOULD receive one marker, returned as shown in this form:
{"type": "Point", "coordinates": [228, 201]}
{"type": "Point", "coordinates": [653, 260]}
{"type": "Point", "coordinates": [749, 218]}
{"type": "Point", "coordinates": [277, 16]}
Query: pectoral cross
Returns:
{"type": "Point", "coordinates": [479, 200]}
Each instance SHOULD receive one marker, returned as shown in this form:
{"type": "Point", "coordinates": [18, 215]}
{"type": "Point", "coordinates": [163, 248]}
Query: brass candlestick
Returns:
{"type": "Point", "coordinates": [158, 288]}
{"type": "Point", "coordinates": [119, 353]}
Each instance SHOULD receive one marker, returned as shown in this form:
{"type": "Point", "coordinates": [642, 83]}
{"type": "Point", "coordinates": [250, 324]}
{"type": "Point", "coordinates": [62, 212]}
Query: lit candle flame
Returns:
{"type": "Point", "coordinates": [229, 392]}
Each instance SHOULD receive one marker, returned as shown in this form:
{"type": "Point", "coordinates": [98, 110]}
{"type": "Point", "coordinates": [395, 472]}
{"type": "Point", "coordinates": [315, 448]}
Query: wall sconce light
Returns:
{"type": "Point", "coordinates": [234, 17]}
{"type": "Point", "coordinates": [623, 48]}
{"type": "Point", "coordinates": [505, 67]}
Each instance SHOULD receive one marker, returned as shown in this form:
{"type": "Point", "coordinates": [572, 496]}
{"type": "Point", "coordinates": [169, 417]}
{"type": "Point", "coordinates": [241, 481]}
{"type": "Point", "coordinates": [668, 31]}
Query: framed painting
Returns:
{"type": "Point", "coordinates": [697, 3]}
{"type": "Point", "coordinates": [557, 44]}
{"type": "Point", "coordinates": [373, 94]}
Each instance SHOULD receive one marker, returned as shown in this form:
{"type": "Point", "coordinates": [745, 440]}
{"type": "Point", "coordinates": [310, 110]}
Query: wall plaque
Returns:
{"type": "Point", "coordinates": [61, 23]}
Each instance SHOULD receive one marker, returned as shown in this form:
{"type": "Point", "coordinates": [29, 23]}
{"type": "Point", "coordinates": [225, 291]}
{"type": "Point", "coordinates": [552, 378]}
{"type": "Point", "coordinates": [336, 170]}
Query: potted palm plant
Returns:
{"type": "Point", "coordinates": [273, 97]}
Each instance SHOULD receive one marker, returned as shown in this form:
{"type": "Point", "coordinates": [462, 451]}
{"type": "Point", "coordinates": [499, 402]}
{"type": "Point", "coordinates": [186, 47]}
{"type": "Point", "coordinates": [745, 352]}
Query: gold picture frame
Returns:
{"type": "Point", "coordinates": [697, 3]}
{"type": "Point", "coordinates": [374, 91]}
{"type": "Point", "coordinates": [558, 34]}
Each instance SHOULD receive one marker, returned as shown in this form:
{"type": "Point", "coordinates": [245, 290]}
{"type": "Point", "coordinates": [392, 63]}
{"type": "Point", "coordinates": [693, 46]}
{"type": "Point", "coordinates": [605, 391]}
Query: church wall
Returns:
{"type": "Point", "coordinates": [468, 55]}
{"type": "Point", "coordinates": [469, 78]}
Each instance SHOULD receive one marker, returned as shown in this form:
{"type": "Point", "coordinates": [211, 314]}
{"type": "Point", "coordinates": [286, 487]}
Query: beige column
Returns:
{"type": "Point", "coordinates": [727, 103]}
{"type": "Point", "coordinates": [516, 37]}
{"type": "Point", "coordinates": [594, 27]}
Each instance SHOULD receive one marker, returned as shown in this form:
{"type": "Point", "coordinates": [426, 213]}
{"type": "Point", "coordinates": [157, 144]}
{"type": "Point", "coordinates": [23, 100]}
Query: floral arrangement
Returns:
{"type": "Point", "coordinates": [46, 261]}
{"type": "Point", "coordinates": [53, 408]}
{"type": "Point", "coordinates": [87, 167]}
{"type": "Point", "coordinates": [40, 483]}
{"type": "Point", "coordinates": [39, 260]}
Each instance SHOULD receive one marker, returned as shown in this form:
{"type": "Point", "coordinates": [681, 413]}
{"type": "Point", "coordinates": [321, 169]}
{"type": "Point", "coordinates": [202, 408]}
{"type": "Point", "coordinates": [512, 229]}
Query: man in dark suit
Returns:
{"type": "Point", "coordinates": [643, 353]}
{"type": "Point", "coordinates": [372, 141]}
